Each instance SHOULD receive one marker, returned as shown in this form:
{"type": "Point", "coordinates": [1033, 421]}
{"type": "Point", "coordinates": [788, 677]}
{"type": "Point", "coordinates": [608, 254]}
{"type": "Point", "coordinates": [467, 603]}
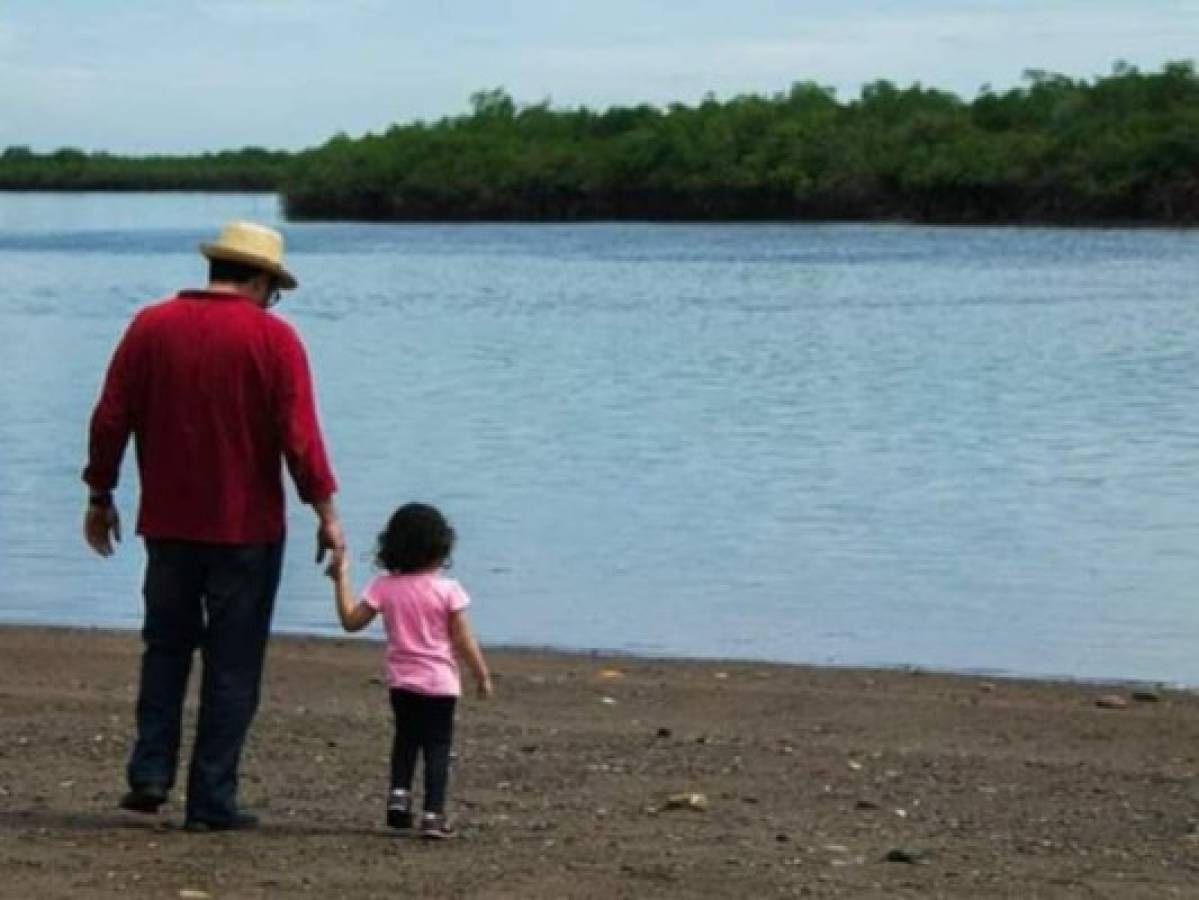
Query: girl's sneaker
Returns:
{"type": "Point", "coordinates": [399, 809]}
{"type": "Point", "coordinates": [434, 827]}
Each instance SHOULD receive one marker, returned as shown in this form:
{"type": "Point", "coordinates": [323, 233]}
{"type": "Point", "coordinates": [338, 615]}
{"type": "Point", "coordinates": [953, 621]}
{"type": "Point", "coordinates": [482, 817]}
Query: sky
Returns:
{"type": "Point", "coordinates": [182, 76]}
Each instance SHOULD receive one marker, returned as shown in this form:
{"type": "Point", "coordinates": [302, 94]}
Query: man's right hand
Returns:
{"type": "Point", "coordinates": [102, 526]}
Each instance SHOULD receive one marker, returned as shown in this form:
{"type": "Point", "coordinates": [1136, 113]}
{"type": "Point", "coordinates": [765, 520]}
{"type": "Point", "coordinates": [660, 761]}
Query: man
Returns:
{"type": "Point", "coordinates": [216, 392]}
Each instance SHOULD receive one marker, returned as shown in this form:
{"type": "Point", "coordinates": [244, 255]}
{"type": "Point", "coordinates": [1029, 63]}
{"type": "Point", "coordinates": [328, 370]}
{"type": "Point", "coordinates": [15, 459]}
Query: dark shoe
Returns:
{"type": "Point", "coordinates": [399, 809]}
{"type": "Point", "coordinates": [434, 827]}
{"type": "Point", "coordinates": [144, 798]}
{"type": "Point", "coordinates": [240, 822]}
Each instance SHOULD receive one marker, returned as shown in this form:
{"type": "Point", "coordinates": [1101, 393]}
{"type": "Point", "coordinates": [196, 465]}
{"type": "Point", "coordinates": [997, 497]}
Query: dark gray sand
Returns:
{"type": "Point", "coordinates": [608, 777]}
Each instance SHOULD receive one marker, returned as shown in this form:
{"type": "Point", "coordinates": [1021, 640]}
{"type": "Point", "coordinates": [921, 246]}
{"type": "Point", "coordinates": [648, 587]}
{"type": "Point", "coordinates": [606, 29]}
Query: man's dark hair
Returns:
{"type": "Point", "coordinates": [235, 272]}
{"type": "Point", "coordinates": [417, 539]}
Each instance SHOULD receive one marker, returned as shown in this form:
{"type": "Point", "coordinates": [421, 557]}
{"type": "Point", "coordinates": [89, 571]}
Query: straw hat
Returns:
{"type": "Point", "coordinates": [252, 244]}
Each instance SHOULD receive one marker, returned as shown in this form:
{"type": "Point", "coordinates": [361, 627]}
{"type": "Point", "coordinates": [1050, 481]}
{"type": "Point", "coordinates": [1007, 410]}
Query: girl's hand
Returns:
{"type": "Point", "coordinates": [339, 566]}
{"type": "Point", "coordinates": [486, 690]}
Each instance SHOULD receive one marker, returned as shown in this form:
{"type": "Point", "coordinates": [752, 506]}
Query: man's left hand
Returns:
{"type": "Point", "coordinates": [330, 538]}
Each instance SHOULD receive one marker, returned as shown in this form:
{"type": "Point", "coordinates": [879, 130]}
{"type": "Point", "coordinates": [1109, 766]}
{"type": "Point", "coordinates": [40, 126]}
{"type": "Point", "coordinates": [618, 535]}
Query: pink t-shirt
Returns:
{"type": "Point", "coordinates": [416, 613]}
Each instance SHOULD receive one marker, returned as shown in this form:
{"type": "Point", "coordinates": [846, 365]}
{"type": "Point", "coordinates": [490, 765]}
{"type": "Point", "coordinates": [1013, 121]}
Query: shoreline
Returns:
{"type": "Point", "coordinates": [815, 781]}
{"type": "Point", "coordinates": [616, 655]}
{"type": "Point", "coordinates": [1063, 223]}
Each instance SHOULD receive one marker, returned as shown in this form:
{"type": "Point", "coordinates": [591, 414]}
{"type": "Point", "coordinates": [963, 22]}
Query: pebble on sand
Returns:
{"type": "Point", "coordinates": [907, 855]}
{"type": "Point", "coordinates": [692, 801]}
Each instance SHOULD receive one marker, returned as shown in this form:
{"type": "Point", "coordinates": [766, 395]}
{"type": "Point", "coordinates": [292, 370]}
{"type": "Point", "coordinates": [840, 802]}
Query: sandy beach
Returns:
{"type": "Point", "coordinates": [594, 776]}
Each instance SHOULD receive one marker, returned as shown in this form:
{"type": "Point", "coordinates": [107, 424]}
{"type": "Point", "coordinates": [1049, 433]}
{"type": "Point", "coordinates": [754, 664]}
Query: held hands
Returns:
{"type": "Point", "coordinates": [101, 527]}
{"type": "Point", "coordinates": [330, 538]}
{"type": "Point", "coordinates": [338, 567]}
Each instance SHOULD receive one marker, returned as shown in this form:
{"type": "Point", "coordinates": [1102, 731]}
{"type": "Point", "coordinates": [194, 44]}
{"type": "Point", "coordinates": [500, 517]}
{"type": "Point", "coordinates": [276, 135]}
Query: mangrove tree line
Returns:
{"type": "Point", "coordinates": [1124, 147]}
{"type": "Point", "coordinates": [69, 169]}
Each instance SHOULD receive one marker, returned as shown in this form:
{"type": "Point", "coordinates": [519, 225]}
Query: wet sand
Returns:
{"type": "Point", "coordinates": [810, 778]}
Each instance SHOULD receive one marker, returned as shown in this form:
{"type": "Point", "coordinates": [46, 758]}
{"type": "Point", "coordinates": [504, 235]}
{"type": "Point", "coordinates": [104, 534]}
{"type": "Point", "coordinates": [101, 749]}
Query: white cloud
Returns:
{"type": "Point", "coordinates": [954, 50]}
{"type": "Point", "coordinates": [148, 75]}
{"type": "Point", "coordinates": [273, 12]}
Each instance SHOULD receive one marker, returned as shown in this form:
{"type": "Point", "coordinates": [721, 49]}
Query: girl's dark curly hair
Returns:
{"type": "Point", "coordinates": [417, 538]}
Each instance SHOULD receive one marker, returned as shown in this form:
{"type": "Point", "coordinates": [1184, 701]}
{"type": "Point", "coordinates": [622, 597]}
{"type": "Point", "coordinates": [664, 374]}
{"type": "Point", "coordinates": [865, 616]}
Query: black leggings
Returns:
{"type": "Point", "coordinates": [423, 724]}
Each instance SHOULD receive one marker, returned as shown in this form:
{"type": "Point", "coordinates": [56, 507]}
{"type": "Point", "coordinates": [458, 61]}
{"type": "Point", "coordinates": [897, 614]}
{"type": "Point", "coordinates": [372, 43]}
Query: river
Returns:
{"type": "Point", "coordinates": [851, 444]}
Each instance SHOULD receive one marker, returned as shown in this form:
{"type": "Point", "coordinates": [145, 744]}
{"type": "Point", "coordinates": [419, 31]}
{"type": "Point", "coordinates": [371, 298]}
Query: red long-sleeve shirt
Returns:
{"type": "Point", "coordinates": [217, 394]}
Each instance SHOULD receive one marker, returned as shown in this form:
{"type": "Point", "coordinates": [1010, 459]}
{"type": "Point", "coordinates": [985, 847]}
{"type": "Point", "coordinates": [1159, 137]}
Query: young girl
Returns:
{"type": "Point", "coordinates": [424, 614]}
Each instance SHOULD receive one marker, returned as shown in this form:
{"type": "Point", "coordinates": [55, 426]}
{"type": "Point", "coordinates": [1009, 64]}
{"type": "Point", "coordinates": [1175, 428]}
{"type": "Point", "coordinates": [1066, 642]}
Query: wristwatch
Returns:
{"type": "Point", "coordinates": [100, 501]}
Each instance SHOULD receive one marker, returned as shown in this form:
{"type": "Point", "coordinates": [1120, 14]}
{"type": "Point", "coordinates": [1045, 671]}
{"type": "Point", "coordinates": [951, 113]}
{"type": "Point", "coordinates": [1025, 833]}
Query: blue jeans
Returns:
{"type": "Point", "coordinates": [218, 598]}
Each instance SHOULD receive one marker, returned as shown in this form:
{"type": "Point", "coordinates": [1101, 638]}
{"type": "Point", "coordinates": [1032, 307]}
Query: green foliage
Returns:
{"type": "Point", "coordinates": [1124, 147]}
{"type": "Point", "coordinates": [69, 169]}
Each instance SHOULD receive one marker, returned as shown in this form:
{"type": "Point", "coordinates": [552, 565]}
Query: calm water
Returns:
{"type": "Point", "coordinates": [852, 444]}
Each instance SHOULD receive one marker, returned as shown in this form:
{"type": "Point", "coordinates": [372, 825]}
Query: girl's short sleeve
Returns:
{"type": "Point", "coordinates": [456, 598]}
{"type": "Point", "coordinates": [372, 594]}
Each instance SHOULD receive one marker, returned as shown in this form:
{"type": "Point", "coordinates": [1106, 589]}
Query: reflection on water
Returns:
{"type": "Point", "coordinates": [964, 448]}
